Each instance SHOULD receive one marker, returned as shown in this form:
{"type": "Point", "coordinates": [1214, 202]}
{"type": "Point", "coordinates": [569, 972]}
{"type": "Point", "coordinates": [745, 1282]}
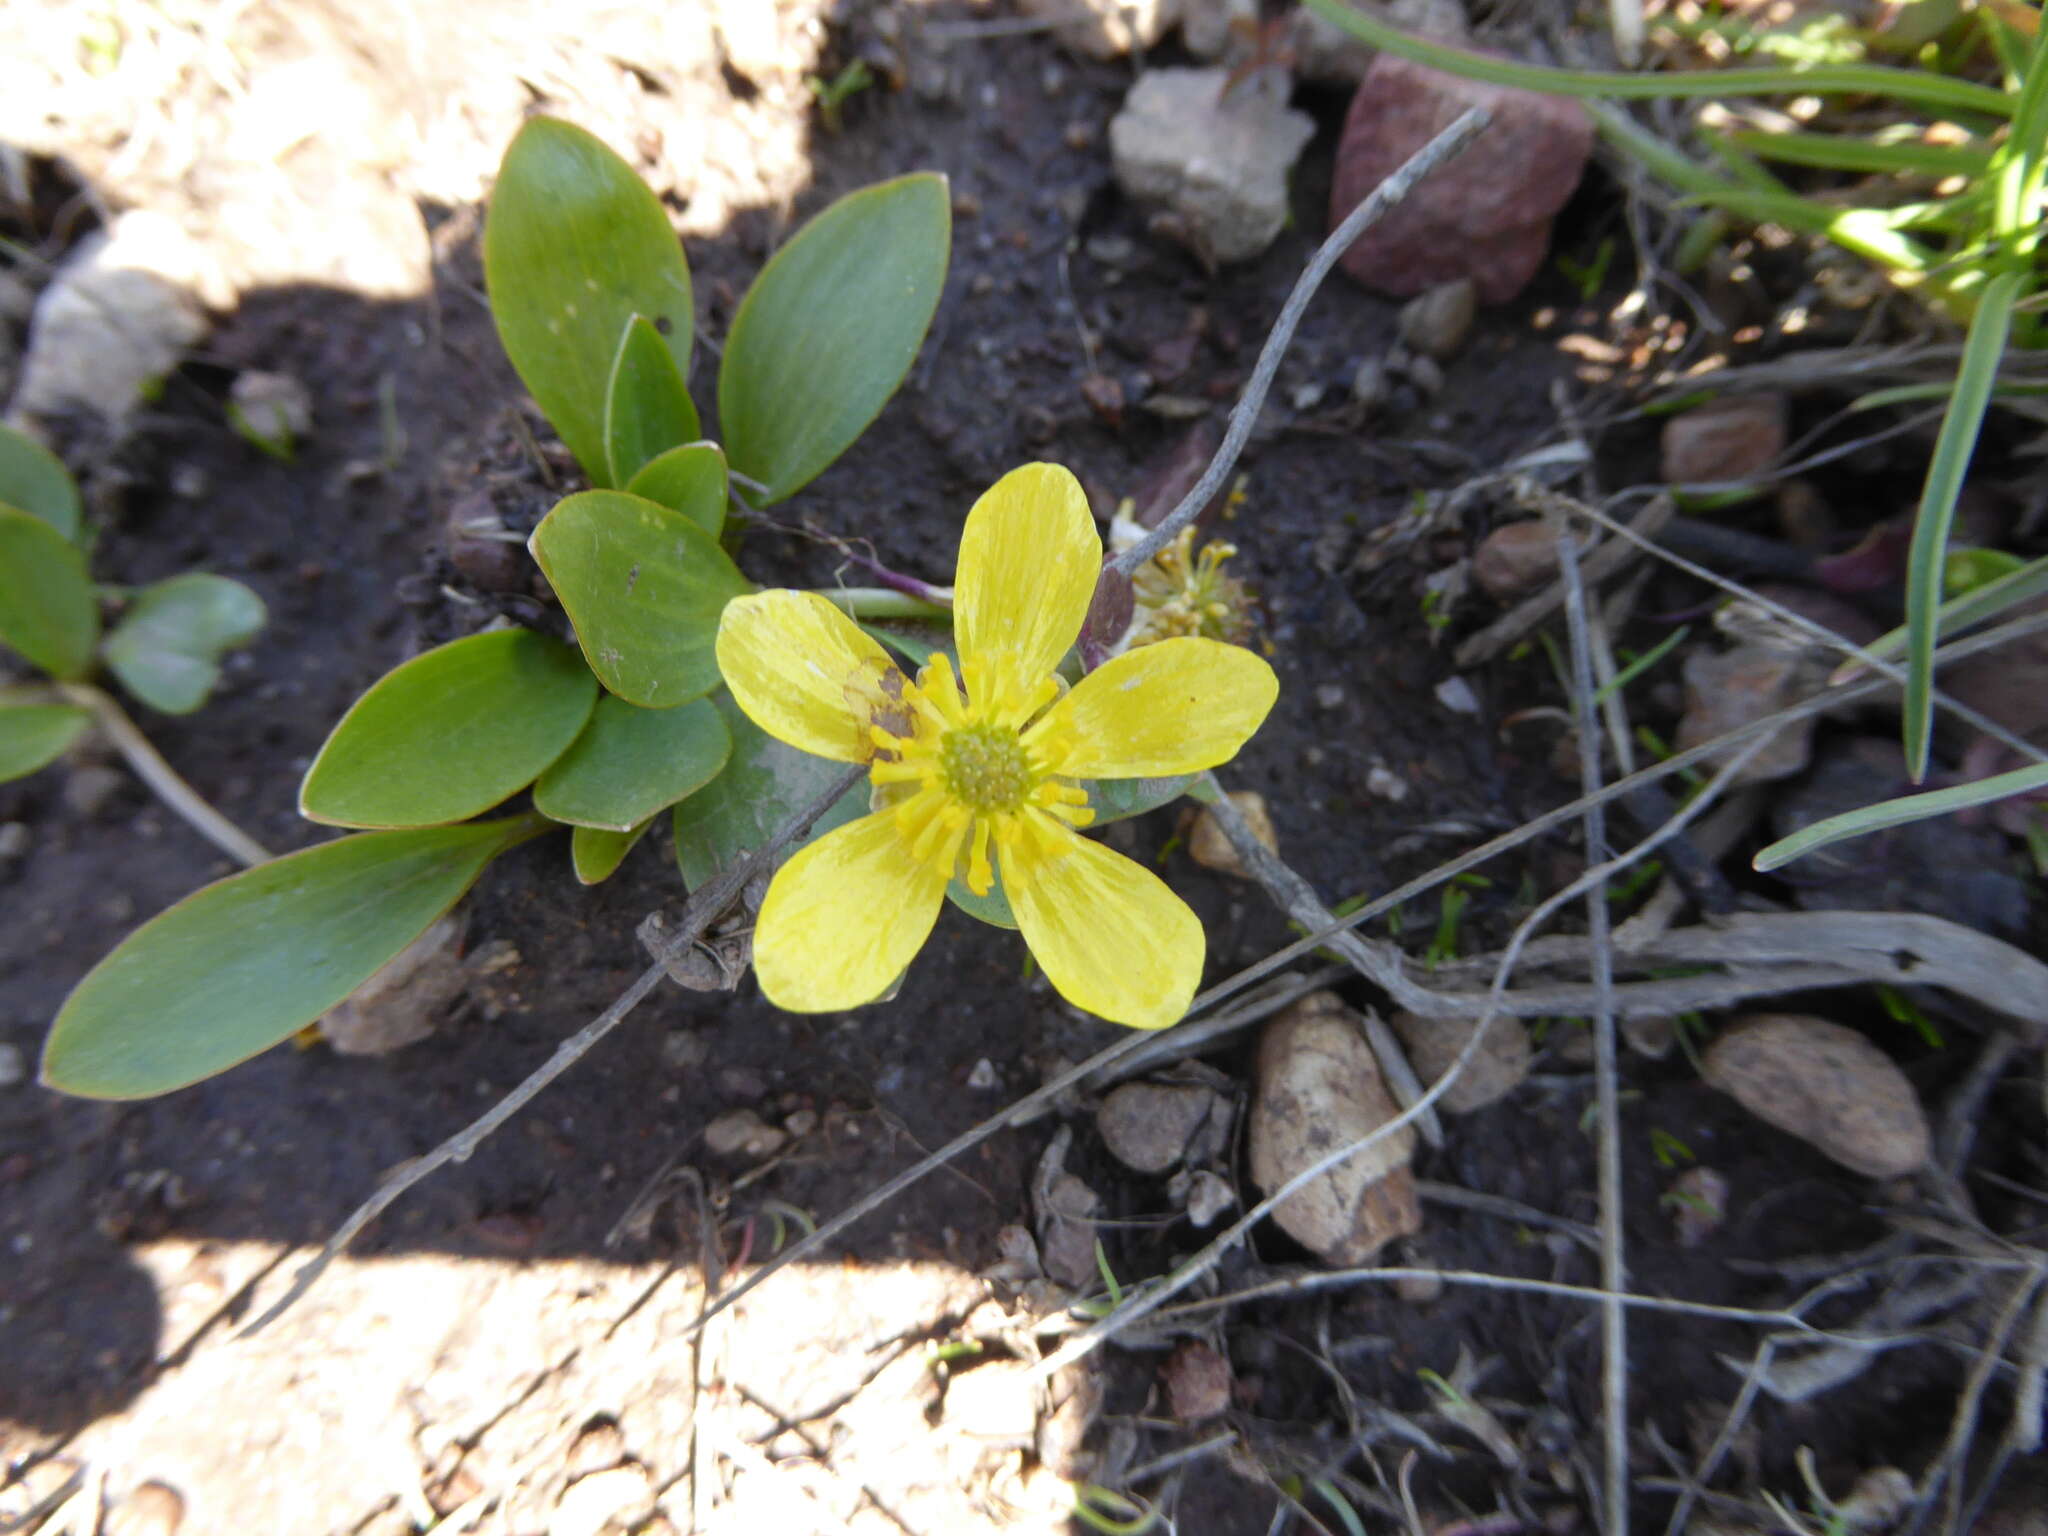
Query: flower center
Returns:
{"type": "Point", "coordinates": [985, 768]}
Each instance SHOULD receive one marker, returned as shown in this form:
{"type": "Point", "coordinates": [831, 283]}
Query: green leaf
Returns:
{"type": "Point", "coordinates": [451, 733]}
{"type": "Point", "coordinates": [993, 909]}
{"type": "Point", "coordinates": [1953, 447]}
{"type": "Point", "coordinates": [829, 329]}
{"type": "Point", "coordinates": [46, 605]}
{"type": "Point", "coordinates": [247, 961]}
{"type": "Point", "coordinates": [597, 854]}
{"type": "Point", "coordinates": [33, 736]}
{"type": "Point", "coordinates": [167, 649]}
{"type": "Point", "coordinates": [631, 762]}
{"type": "Point", "coordinates": [690, 480]}
{"type": "Point", "coordinates": [575, 246]}
{"type": "Point", "coordinates": [647, 407]}
{"type": "Point", "coordinates": [1893, 813]}
{"type": "Point", "coordinates": [764, 784]}
{"type": "Point", "coordinates": [35, 480]}
{"type": "Point", "coordinates": [644, 587]}
{"type": "Point", "coordinates": [1116, 799]}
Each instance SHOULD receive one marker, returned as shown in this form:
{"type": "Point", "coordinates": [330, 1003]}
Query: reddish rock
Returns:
{"type": "Point", "coordinates": [1486, 213]}
{"type": "Point", "coordinates": [1730, 439]}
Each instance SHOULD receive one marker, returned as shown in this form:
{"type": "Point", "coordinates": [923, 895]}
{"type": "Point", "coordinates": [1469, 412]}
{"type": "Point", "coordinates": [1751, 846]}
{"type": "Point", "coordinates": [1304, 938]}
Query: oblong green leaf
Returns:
{"type": "Point", "coordinates": [764, 784]}
{"type": "Point", "coordinates": [647, 407]}
{"type": "Point", "coordinates": [575, 245]}
{"type": "Point", "coordinates": [597, 854]}
{"type": "Point", "coordinates": [644, 587]}
{"type": "Point", "coordinates": [1892, 813]}
{"type": "Point", "coordinates": [690, 480]}
{"type": "Point", "coordinates": [33, 736]}
{"type": "Point", "coordinates": [35, 480]}
{"type": "Point", "coordinates": [1116, 799]}
{"type": "Point", "coordinates": [631, 762]}
{"type": "Point", "coordinates": [451, 733]}
{"type": "Point", "coordinates": [167, 648]}
{"type": "Point", "coordinates": [46, 605]}
{"type": "Point", "coordinates": [993, 909]}
{"type": "Point", "coordinates": [829, 329]}
{"type": "Point", "coordinates": [244, 963]}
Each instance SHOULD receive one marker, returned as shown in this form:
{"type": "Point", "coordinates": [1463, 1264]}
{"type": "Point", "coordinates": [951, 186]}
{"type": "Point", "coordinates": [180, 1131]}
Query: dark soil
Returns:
{"type": "Point", "coordinates": [346, 546]}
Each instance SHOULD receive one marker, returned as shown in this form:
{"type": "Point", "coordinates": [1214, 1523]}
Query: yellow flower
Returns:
{"type": "Point", "coordinates": [976, 774]}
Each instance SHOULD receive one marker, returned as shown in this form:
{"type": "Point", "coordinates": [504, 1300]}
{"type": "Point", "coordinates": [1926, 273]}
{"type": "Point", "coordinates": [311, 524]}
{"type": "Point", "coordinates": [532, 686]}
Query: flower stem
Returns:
{"type": "Point", "coordinates": [162, 778]}
{"type": "Point", "coordinates": [888, 603]}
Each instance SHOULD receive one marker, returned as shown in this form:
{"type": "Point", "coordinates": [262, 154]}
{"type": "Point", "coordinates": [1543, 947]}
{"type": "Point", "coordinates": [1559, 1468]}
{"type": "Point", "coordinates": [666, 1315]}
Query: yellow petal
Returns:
{"type": "Point", "coordinates": [1108, 933]}
{"type": "Point", "coordinates": [805, 673]}
{"type": "Point", "coordinates": [1176, 707]}
{"type": "Point", "coordinates": [844, 916]}
{"type": "Point", "coordinates": [1029, 561]}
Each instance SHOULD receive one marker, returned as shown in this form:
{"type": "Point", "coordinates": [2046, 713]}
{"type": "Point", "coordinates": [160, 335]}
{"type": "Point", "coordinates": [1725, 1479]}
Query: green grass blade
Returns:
{"type": "Point", "coordinates": [1894, 813]}
{"type": "Point", "coordinates": [1957, 441]}
{"type": "Point", "coordinates": [1837, 152]}
{"type": "Point", "coordinates": [1957, 614]}
{"type": "Point", "coordinates": [1923, 87]}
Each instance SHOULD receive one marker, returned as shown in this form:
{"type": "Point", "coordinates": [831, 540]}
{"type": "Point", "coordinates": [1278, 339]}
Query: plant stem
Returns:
{"type": "Point", "coordinates": [887, 603]}
{"type": "Point", "coordinates": [162, 778]}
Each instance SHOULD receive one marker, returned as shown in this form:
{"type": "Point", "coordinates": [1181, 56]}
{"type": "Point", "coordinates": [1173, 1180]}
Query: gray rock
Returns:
{"type": "Point", "coordinates": [90, 788]}
{"type": "Point", "coordinates": [1148, 1126]}
{"type": "Point", "coordinates": [1213, 29]}
{"type": "Point", "coordinates": [397, 1007]}
{"type": "Point", "coordinates": [1825, 1084]}
{"type": "Point", "coordinates": [1437, 321]}
{"type": "Point", "coordinates": [1495, 1070]}
{"type": "Point", "coordinates": [13, 1066]}
{"type": "Point", "coordinates": [1325, 52]}
{"type": "Point", "coordinates": [14, 840]}
{"type": "Point", "coordinates": [1485, 214]}
{"type": "Point", "coordinates": [119, 315]}
{"type": "Point", "coordinates": [1218, 163]}
{"type": "Point", "coordinates": [1320, 1089]}
{"type": "Point", "coordinates": [1106, 29]}
{"type": "Point", "coordinates": [1732, 688]}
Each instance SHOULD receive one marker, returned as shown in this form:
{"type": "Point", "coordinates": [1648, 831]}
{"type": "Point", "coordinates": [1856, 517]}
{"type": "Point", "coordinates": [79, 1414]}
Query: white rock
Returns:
{"type": "Point", "coordinates": [118, 316]}
{"type": "Point", "coordinates": [600, 1500]}
{"type": "Point", "coordinates": [742, 1132]}
{"type": "Point", "coordinates": [1219, 163]}
{"type": "Point", "coordinates": [1106, 29]}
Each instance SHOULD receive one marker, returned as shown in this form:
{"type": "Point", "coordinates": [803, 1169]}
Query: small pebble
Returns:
{"type": "Point", "coordinates": [1827, 1085]}
{"type": "Point", "coordinates": [1436, 323]}
{"type": "Point", "coordinates": [742, 1132]}
{"type": "Point", "coordinates": [1456, 695]}
{"type": "Point", "coordinates": [1329, 696]}
{"type": "Point", "coordinates": [1197, 1380]}
{"type": "Point", "coordinates": [14, 840]}
{"type": "Point", "coordinates": [984, 1077]}
{"type": "Point", "coordinates": [91, 787]}
{"type": "Point", "coordinates": [1370, 385]}
{"type": "Point", "coordinates": [684, 1050]}
{"type": "Point", "coordinates": [13, 1066]}
{"type": "Point", "coordinates": [1210, 847]}
{"type": "Point", "coordinates": [1382, 781]}
{"type": "Point", "coordinates": [800, 1123]}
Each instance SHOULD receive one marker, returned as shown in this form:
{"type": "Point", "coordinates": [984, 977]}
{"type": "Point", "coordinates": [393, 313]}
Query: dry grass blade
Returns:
{"type": "Point", "coordinates": [1613, 1271]}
